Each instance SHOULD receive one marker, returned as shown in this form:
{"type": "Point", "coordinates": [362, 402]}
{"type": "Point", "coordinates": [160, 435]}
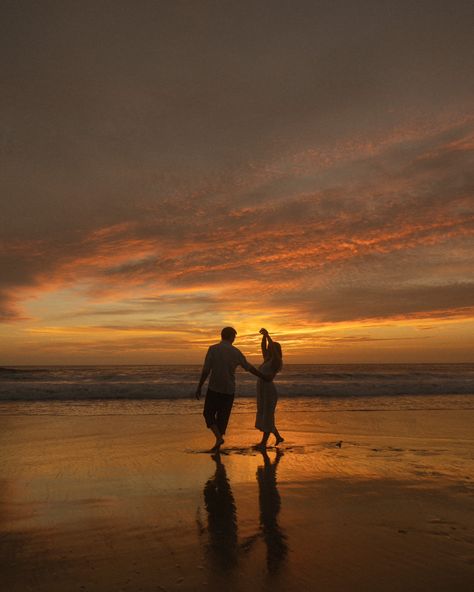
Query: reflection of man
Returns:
{"type": "Point", "coordinates": [221, 518]}
{"type": "Point", "coordinates": [269, 500]}
{"type": "Point", "coordinates": [221, 361]}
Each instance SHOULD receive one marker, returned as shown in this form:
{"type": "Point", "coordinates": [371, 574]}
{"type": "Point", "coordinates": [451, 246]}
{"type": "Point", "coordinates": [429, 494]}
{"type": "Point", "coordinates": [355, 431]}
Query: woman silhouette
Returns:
{"type": "Point", "coordinates": [267, 395]}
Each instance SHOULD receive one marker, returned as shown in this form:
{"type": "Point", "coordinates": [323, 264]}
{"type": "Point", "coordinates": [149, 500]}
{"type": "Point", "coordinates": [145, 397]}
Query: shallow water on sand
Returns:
{"type": "Point", "coordinates": [132, 501]}
{"type": "Point", "coordinates": [190, 406]}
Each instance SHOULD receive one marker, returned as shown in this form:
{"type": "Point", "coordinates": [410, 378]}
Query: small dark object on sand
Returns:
{"type": "Point", "coordinates": [339, 444]}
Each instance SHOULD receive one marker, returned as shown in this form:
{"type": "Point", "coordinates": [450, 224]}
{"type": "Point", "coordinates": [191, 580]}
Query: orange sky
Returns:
{"type": "Point", "coordinates": [185, 168]}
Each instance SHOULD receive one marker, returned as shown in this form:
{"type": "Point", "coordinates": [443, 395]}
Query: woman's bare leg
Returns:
{"type": "Point", "coordinates": [263, 443]}
{"type": "Point", "coordinates": [278, 437]}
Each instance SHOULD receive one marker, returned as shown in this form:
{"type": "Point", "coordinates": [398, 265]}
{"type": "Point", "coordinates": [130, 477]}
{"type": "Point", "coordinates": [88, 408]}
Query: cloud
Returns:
{"type": "Point", "coordinates": [361, 235]}
{"type": "Point", "coordinates": [353, 303]}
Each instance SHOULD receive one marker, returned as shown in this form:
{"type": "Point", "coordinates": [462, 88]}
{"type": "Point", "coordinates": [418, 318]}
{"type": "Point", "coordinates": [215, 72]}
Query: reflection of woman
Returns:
{"type": "Point", "coordinates": [267, 395]}
{"type": "Point", "coordinates": [269, 500]}
{"type": "Point", "coordinates": [221, 518]}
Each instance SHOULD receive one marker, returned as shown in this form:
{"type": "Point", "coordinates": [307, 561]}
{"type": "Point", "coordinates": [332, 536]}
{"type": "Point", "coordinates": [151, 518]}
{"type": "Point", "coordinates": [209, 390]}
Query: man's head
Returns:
{"type": "Point", "coordinates": [228, 334]}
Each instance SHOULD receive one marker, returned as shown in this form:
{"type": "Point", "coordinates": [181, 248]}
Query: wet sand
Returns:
{"type": "Point", "coordinates": [367, 501]}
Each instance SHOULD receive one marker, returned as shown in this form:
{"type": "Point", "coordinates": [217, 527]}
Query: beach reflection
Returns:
{"type": "Point", "coordinates": [270, 504]}
{"type": "Point", "coordinates": [224, 549]}
{"type": "Point", "coordinates": [221, 518]}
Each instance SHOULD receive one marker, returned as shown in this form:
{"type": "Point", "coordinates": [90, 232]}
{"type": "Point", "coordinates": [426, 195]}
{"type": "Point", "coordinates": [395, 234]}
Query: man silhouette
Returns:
{"type": "Point", "coordinates": [221, 361]}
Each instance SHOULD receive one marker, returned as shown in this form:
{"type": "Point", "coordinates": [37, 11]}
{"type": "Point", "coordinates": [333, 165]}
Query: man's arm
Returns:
{"type": "Point", "coordinates": [206, 370]}
{"type": "Point", "coordinates": [249, 368]}
{"type": "Point", "coordinates": [204, 374]}
{"type": "Point", "coordinates": [257, 373]}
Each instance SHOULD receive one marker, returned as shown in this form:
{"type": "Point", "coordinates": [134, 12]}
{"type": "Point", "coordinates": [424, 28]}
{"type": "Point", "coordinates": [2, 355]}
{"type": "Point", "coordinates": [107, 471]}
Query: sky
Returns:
{"type": "Point", "coordinates": [169, 168]}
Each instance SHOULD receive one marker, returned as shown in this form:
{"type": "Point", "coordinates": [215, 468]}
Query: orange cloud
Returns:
{"type": "Point", "coordinates": [380, 234]}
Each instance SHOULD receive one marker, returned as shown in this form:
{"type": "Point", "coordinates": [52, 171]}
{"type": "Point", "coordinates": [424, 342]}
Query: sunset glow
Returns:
{"type": "Point", "coordinates": [152, 197]}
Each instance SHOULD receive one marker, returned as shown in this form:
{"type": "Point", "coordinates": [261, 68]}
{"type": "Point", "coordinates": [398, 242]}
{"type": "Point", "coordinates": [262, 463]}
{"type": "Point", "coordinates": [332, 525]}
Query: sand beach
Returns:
{"type": "Point", "coordinates": [277, 190]}
{"type": "Point", "coordinates": [378, 500]}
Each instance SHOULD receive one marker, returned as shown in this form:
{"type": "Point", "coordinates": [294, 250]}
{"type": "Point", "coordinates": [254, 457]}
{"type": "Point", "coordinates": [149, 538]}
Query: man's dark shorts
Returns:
{"type": "Point", "coordinates": [217, 408]}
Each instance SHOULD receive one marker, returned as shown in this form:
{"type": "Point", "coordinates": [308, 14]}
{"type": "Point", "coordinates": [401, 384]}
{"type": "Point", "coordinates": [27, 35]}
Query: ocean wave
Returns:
{"type": "Point", "coordinates": [179, 382]}
{"type": "Point", "coordinates": [84, 391]}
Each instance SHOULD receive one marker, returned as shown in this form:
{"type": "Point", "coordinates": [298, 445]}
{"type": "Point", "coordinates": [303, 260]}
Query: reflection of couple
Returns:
{"type": "Point", "coordinates": [221, 361]}
{"type": "Point", "coordinates": [223, 547]}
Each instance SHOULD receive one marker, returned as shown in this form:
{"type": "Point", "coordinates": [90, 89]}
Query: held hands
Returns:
{"type": "Point", "coordinates": [264, 377]}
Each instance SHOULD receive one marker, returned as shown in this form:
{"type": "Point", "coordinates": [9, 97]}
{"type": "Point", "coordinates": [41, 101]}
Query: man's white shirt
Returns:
{"type": "Point", "coordinates": [221, 360]}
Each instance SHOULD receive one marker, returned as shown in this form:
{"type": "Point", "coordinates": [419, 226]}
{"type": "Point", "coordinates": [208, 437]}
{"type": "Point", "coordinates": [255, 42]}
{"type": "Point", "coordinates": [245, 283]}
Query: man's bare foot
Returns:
{"type": "Point", "coordinates": [279, 440]}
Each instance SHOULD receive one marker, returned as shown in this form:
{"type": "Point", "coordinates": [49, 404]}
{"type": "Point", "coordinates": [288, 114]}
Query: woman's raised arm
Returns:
{"type": "Point", "coordinates": [274, 353]}
{"type": "Point", "coordinates": [263, 345]}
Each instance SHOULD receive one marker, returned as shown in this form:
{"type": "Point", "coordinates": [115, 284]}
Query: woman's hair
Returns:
{"type": "Point", "coordinates": [277, 360]}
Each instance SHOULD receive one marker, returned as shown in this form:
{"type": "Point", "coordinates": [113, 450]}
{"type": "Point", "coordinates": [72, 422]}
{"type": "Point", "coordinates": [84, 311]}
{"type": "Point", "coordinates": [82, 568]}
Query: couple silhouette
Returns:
{"type": "Point", "coordinates": [220, 364]}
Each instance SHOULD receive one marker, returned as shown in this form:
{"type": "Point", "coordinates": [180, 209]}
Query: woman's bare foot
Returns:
{"type": "Point", "coordinates": [279, 440]}
{"type": "Point", "coordinates": [217, 445]}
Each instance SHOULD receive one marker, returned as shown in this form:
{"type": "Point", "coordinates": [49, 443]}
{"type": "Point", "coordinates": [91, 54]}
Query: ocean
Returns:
{"type": "Point", "coordinates": [170, 388]}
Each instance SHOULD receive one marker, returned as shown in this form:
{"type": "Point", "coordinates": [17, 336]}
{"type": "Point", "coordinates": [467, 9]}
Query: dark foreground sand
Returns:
{"type": "Point", "coordinates": [132, 503]}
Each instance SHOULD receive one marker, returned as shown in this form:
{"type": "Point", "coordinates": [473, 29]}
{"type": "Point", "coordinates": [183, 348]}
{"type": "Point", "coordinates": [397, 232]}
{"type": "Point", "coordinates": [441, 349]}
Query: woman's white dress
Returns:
{"type": "Point", "coordinates": [267, 398]}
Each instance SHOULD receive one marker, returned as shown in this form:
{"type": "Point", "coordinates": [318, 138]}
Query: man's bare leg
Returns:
{"type": "Point", "coordinates": [219, 438]}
